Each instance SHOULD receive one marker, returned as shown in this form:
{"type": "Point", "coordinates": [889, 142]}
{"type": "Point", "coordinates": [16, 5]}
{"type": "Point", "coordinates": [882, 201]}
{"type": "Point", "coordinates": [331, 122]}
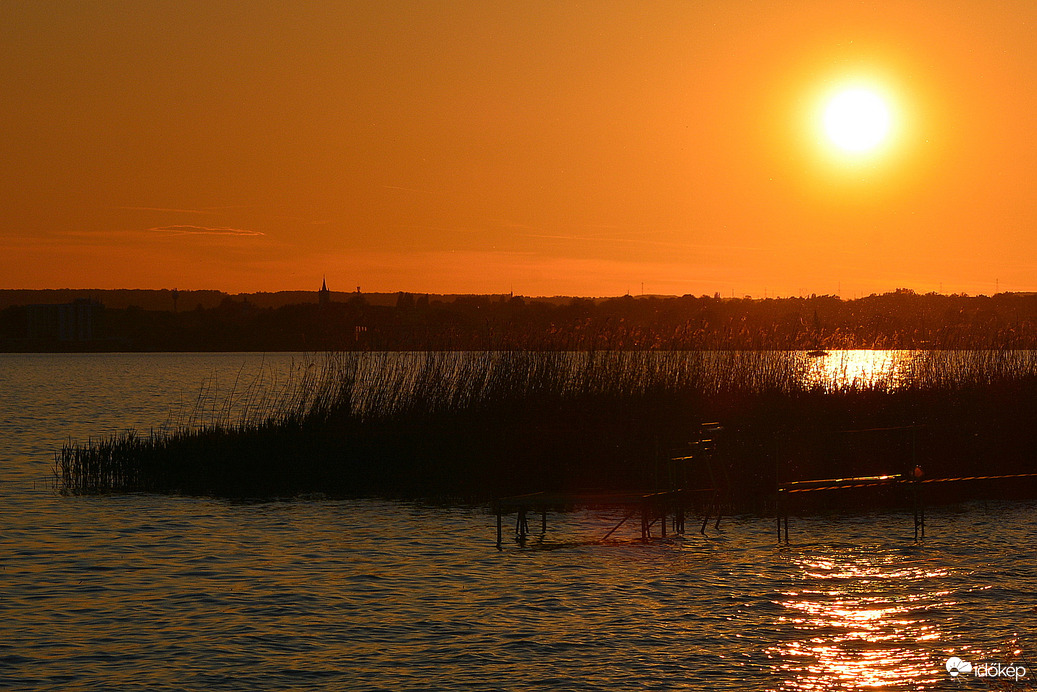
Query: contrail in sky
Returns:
{"type": "Point", "coordinates": [203, 230]}
{"type": "Point", "coordinates": [177, 211]}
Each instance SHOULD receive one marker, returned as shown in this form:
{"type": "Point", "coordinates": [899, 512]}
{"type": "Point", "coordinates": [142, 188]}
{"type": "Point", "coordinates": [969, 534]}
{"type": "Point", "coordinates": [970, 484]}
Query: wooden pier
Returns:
{"type": "Point", "coordinates": [697, 481]}
{"type": "Point", "coordinates": [662, 511]}
{"type": "Point", "coordinates": [692, 480]}
{"type": "Point", "coordinates": [912, 482]}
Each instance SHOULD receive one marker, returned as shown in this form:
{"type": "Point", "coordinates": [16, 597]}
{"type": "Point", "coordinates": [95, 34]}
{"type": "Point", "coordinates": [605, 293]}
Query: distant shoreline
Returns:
{"type": "Point", "coordinates": [106, 322]}
{"type": "Point", "coordinates": [189, 299]}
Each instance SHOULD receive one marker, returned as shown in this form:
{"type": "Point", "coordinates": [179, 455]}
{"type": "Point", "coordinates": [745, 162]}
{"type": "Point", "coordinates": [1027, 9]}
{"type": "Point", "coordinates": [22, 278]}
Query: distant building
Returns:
{"type": "Point", "coordinates": [324, 295]}
{"type": "Point", "coordinates": [73, 321]}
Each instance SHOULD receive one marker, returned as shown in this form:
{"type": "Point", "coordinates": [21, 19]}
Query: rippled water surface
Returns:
{"type": "Point", "coordinates": [169, 593]}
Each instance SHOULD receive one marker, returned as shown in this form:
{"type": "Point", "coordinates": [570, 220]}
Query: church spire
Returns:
{"type": "Point", "coordinates": [324, 295]}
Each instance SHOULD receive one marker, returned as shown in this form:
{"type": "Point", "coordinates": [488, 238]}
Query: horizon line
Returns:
{"type": "Point", "coordinates": [720, 294]}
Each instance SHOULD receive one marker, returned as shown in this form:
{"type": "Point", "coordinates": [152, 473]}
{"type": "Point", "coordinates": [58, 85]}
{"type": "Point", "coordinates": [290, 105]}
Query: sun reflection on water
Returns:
{"type": "Point", "coordinates": [861, 624]}
{"type": "Point", "coordinates": [837, 370]}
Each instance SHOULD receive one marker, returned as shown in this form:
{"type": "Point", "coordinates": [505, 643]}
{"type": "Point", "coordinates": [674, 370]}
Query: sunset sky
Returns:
{"type": "Point", "coordinates": [591, 148]}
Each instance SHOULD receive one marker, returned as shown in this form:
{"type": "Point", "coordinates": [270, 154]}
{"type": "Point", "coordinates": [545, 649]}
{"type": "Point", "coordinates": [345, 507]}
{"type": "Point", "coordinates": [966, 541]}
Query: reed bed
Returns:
{"type": "Point", "coordinates": [473, 425]}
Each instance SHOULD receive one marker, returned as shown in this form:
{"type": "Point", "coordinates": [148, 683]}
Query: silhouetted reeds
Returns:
{"type": "Point", "coordinates": [446, 424]}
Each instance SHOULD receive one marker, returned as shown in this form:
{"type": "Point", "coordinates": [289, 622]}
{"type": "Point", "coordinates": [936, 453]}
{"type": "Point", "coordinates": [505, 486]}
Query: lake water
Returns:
{"type": "Point", "coordinates": [142, 592]}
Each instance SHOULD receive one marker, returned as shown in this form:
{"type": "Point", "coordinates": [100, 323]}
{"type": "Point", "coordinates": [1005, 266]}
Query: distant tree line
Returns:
{"type": "Point", "coordinates": [900, 319]}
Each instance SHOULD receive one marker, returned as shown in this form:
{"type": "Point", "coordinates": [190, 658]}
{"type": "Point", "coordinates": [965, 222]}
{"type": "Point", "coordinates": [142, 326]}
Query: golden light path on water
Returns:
{"type": "Point", "coordinates": [860, 623]}
{"type": "Point", "coordinates": [893, 369]}
{"type": "Point", "coordinates": [859, 368]}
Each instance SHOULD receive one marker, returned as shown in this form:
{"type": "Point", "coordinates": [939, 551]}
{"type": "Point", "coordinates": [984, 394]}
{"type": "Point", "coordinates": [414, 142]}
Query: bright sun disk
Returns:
{"type": "Point", "coordinates": [857, 120]}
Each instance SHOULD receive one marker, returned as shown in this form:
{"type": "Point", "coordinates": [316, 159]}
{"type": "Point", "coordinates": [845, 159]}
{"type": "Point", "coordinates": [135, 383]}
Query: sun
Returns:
{"type": "Point", "coordinates": [857, 120]}
{"type": "Point", "coordinates": [861, 132]}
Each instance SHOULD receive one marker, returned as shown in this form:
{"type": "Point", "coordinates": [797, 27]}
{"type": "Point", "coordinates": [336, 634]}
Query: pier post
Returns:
{"type": "Point", "coordinates": [500, 538]}
{"type": "Point", "coordinates": [645, 528]}
{"type": "Point", "coordinates": [521, 525]}
{"type": "Point", "coordinates": [919, 511]}
{"type": "Point", "coordinates": [781, 513]}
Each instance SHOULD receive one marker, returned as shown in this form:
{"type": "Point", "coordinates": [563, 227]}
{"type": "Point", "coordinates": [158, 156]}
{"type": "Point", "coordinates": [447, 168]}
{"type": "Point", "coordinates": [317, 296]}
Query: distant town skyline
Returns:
{"type": "Point", "coordinates": [542, 148]}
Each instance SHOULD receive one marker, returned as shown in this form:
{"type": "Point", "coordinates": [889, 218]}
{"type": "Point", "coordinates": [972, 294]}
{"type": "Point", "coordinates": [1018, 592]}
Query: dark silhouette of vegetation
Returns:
{"type": "Point", "coordinates": [406, 322]}
{"type": "Point", "coordinates": [450, 425]}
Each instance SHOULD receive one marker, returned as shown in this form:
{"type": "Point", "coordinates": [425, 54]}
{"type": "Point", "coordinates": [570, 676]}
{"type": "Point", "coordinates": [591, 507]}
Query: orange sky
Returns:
{"type": "Point", "coordinates": [541, 147]}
